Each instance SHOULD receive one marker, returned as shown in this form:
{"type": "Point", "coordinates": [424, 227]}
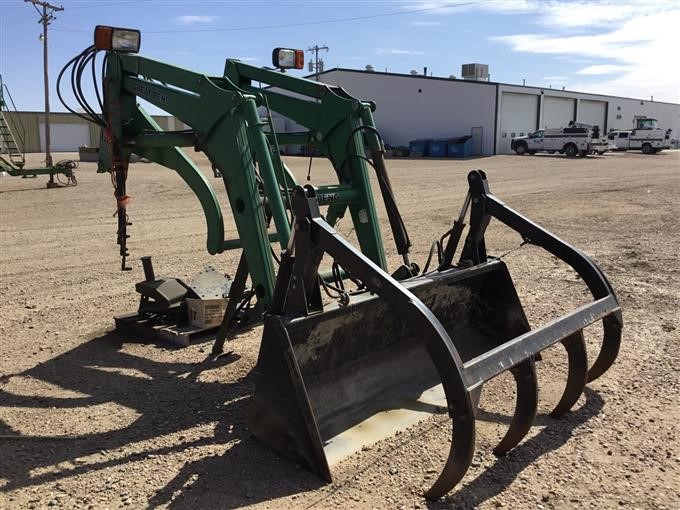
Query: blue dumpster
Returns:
{"type": "Point", "coordinates": [437, 148]}
{"type": "Point", "coordinates": [460, 147]}
{"type": "Point", "coordinates": [418, 147]}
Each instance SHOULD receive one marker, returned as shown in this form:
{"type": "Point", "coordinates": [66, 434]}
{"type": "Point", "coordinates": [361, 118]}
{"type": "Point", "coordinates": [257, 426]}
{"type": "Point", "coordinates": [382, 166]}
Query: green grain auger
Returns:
{"type": "Point", "coordinates": [405, 340]}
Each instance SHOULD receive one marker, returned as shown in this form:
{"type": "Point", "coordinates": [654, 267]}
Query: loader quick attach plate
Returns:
{"type": "Point", "coordinates": [323, 381]}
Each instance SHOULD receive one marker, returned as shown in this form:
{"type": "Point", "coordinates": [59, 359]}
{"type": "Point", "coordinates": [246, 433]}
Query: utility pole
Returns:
{"type": "Point", "coordinates": [45, 18]}
{"type": "Point", "coordinates": [317, 65]}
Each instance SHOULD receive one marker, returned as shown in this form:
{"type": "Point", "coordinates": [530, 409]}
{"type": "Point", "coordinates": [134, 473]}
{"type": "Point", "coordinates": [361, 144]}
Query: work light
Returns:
{"type": "Point", "coordinates": [287, 58]}
{"type": "Point", "coordinates": [117, 39]}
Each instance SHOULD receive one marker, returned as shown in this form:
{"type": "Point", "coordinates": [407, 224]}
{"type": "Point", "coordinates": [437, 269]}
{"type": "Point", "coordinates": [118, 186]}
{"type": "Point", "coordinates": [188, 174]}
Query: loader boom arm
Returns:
{"type": "Point", "coordinates": [225, 124]}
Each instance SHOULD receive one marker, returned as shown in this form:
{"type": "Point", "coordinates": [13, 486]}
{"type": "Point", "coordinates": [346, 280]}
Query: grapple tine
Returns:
{"type": "Point", "coordinates": [610, 346]}
{"type": "Point", "coordinates": [577, 377]}
{"type": "Point", "coordinates": [460, 454]}
{"type": "Point", "coordinates": [525, 408]}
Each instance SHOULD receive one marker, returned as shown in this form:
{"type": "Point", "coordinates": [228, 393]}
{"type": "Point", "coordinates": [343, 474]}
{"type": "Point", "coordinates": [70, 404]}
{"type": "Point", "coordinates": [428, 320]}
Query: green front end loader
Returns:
{"type": "Point", "coordinates": [353, 353]}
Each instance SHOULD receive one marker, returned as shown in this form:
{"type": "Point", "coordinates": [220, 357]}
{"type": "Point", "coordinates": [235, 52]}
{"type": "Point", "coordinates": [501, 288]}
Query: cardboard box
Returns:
{"type": "Point", "coordinates": [206, 313]}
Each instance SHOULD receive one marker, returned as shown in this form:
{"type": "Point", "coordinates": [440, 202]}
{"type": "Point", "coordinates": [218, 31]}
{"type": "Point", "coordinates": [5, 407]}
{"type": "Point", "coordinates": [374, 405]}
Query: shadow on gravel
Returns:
{"type": "Point", "coordinates": [503, 472]}
{"type": "Point", "coordinates": [168, 399]}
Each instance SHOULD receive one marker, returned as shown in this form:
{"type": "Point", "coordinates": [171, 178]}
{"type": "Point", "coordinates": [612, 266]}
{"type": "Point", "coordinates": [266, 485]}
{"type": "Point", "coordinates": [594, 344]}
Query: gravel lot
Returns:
{"type": "Point", "coordinates": [89, 419]}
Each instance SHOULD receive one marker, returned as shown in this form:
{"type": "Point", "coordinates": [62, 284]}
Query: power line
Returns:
{"type": "Point", "coordinates": [24, 17]}
{"type": "Point", "coordinates": [288, 25]}
{"type": "Point", "coordinates": [100, 5]}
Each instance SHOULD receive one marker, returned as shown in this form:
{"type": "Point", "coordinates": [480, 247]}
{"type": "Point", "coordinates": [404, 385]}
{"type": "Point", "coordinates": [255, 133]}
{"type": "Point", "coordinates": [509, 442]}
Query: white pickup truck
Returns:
{"type": "Point", "coordinates": [574, 140]}
{"type": "Point", "coordinates": [646, 137]}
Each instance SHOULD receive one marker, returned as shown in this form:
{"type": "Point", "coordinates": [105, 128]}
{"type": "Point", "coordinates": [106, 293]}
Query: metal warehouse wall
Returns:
{"type": "Point", "coordinates": [412, 107]}
{"type": "Point", "coordinates": [31, 122]}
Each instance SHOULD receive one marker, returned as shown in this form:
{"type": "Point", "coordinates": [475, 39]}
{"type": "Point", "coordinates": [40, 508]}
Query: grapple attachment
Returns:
{"type": "Point", "coordinates": [330, 380]}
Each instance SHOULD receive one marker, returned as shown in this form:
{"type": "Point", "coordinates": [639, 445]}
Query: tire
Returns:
{"type": "Point", "coordinates": [647, 148]}
{"type": "Point", "coordinates": [570, 150]}
{"type": "Point", "coordinates": [521, 149]}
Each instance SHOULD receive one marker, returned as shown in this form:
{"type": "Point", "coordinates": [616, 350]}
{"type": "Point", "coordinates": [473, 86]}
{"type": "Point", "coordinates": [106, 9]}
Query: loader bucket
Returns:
{"type": "Point", "coordinates": [332, 379]}
{"type": "Point", "coordinates": [330, 383]}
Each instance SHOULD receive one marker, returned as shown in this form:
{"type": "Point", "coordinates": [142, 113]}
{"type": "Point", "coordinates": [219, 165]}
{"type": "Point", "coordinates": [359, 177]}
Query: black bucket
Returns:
{"type": "Point", "coordinates": [327, 384]}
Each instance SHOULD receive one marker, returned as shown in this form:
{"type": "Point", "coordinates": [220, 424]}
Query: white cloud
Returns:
{"type": "Point", "coordinates": [425, 23]}
{"type": "Point", "coordinates": [397, 51]}
{"type": "Point", "coordinates": [639, 49]}
{"type": "Point", "coordinates": [633, 41]}
{"type": "Point", "coordinates": [191, 19]}
{"type": "Point", "coordinates": [554, 13]}
{"type": "Point", "coordinates": [602, 69]}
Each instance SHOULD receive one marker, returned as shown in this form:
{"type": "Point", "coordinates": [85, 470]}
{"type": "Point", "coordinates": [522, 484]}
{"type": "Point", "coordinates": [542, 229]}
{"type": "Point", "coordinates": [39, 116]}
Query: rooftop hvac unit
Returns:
{"type": "Point", "coordinates": [479, 72]}
{"type": "Point", "coordinates": [370, 68]}
{"type": "Point", "coordinates": [413, 72]}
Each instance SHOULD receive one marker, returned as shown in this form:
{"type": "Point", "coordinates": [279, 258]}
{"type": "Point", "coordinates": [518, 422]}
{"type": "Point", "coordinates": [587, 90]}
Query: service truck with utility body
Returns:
{"type": "Point", "coordinates": [574, 140]}
{"type": "Point", "coordinates": [646, 137]}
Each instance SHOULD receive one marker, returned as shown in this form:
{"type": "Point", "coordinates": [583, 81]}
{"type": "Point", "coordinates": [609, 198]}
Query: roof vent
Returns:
{"type": "Point", "coordinates": [370, 68]}
{"type": "Point", "coordinates": [414, 72]}
{"type": "Point", "coordinates": [479, 72]}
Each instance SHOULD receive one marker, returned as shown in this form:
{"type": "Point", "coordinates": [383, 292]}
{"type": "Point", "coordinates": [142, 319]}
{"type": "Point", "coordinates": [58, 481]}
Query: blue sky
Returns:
{"type": "Point", "coordinates": [614, 47]}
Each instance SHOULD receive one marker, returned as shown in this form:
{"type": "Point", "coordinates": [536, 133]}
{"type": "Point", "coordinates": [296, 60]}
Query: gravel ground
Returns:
{"type": "Point", "coordinates": [89, 419]}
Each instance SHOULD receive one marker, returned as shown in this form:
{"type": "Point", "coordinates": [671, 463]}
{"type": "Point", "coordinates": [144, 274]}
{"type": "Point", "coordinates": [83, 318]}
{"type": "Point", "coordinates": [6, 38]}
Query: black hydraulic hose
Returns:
{"type": "Point", "coordinates": [77, 65]}
{"type": "Point", "coordinates": [78, 83]}
{"type": "Point", "coordinates": [61, 98]}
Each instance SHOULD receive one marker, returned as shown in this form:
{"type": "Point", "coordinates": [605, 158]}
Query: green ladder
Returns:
{"type": "Point", "coordinates": [8, 128]}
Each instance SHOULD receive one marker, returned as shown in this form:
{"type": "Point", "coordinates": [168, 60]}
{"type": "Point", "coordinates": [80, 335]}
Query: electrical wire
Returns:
{"type": "Point", "coordinates": [298, 24]}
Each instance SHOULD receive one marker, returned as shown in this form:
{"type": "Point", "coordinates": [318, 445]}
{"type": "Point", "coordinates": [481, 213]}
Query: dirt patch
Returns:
{"type": "Point", "coordinates": [91, 419]}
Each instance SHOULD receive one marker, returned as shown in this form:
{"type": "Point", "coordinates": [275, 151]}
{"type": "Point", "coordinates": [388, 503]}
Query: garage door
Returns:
{"type": "Point", "coordinates": [65, 137]}
{"type": "Point", "coordinates": [519, 113]}
{"type": "Point", "coordinates": [593, 113]}
{"type": "Point", "coordinates": [557, 111]}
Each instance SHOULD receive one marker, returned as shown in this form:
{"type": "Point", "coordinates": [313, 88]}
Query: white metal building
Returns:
{"type": "Point", "coordinates": [416, 106]}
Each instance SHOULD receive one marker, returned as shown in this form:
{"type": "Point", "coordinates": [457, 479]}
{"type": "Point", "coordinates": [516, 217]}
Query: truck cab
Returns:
{"type": "Point", "coordinates": [619, 140]}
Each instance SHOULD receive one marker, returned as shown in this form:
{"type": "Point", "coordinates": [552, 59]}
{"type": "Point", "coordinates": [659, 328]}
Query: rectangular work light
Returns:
{"type": "Point", "coordinates": [117, 39]}
{"type": "Point", "coordinates": [288, 58]}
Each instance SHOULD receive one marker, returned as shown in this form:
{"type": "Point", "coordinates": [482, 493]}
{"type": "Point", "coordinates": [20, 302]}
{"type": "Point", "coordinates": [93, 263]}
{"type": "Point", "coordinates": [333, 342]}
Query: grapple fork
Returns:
{"type": "Point", "coordinates": [331, 379]}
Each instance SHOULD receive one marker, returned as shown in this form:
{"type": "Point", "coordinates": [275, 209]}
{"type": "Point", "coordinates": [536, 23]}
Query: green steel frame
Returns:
{"type": "Point", "coordinates": [12, 138]}
{"type": "Point", "coordinates": [226, 125]}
